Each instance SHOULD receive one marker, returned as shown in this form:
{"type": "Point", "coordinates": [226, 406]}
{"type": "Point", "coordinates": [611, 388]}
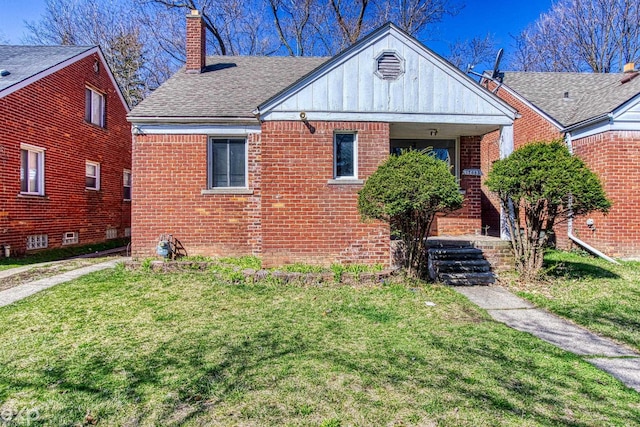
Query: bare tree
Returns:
{"type": "Point", "coordinates": [103, 23]}
{"type": "Point", "coordinates": [293, 24]}
{"type": "Point", "coordinates": [581, 35]}
{"type": "Point", "coordinates": [478, 50]}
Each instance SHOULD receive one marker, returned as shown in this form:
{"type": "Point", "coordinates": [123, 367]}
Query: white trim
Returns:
{"type": "Point", "coordinates": [184, 129]}
{"type": "Point", "coordinates": [626, 106]}
{"type": "Point", "coordinates": [444, 118]}
{"type": "Point", "coordinates": [40, 169]}
{"type": "Point", "coordinates": [127, 171]}
{"type": "Point", "coordinates": [353, 177]}
{"type": "Point", "coordinates": [26, 82]}
{"type": "Point", "coordinates": [532, 106]}
{"type": "Point", "coordinates": [384, 31]}
{"type": "Point", "coordinates": [97, 177]}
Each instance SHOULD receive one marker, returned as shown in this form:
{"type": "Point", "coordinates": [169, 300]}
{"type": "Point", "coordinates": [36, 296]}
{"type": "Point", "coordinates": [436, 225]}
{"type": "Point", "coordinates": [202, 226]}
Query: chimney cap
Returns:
{"type": "Point", "coordinates": [194, 12]}
{"type": "Point", "coordinates": [629, 67]}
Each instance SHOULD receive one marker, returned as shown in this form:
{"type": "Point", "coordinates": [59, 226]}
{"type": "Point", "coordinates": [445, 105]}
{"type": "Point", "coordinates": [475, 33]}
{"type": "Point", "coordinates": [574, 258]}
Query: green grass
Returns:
{"type": "Point", "coordinates": [592, 292]}
{"type": "Point", "coordinates": [59, 253]}
{"type": "Point", "coordinates": [138, 348]}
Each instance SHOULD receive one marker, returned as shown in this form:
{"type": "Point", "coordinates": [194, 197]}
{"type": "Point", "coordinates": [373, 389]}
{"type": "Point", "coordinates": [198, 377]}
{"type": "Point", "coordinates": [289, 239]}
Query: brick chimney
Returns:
{"type": "Point", "coordinates": [196, 43]}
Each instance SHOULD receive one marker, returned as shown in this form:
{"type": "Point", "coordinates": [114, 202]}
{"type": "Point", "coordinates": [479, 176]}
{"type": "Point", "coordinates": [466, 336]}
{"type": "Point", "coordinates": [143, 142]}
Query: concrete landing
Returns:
{"type": "Point", "coordinates": [618, 360]}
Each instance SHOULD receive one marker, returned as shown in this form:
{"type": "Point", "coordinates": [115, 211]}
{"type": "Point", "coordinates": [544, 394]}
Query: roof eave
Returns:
{"type": "Point", "coordinates": [588, 122]}
{"type": "Point", "coordinates": [191, 120]}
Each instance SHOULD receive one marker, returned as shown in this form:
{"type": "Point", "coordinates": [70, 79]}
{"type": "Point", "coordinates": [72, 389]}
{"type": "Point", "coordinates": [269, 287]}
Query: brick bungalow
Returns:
{"type": "Point", "coordinates": [65, 149]}
{"type": "Point", "coordinates": [265, 155]}
{"type": "Point", "coordinates": [598, 115]}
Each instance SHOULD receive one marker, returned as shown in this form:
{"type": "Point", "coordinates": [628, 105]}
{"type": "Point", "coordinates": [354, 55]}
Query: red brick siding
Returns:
{"type": "Point", "coordinates": [615, 157]}
{"type": "Point", "coordinates": [529, 127]}
{"type": "Point", "coordinates": [305, 219]}
{"type": "Point", "coordinates": [195, 43]}
{"type": "Point", "coordinates": [293, 214]}
{"type": "Point", "coordinates": [467, 219]}
{"type": "Point", "coordinates": [49, 113]}
{"type": "Point", "coordinates": [169, 174]}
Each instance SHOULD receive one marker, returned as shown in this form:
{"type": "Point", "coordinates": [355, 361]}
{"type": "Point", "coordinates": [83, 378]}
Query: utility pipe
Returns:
{"type": "Point", "coordinates": [570, 234]}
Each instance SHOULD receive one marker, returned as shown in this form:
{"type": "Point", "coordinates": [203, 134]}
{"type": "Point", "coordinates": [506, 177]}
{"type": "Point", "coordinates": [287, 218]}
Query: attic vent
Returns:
{"type": "Point", "coordinates": [4, 73]}
{"type": "Point", "coordinates": [389, 66]}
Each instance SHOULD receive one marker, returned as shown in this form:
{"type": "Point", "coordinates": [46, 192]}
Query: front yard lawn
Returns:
{"type": "Point", "coordinates": [592, 292]}
{"type": "Point", "coordinates": [138, 348]}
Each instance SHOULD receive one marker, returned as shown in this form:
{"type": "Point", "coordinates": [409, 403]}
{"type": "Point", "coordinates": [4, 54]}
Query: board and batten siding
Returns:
{"type": "Point", "coordinates": [428, 87]}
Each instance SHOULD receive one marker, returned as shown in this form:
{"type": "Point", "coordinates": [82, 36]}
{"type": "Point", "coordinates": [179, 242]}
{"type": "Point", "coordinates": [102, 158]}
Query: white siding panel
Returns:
{"type": "Point", "coordinates": [411, 82]}
{"type": "Point", "coordinates": [335, 92]}
{"type": "Point", "coordinates": [426, 87]}
{"type": "Point", "coordinates": [365, 85]}
{"type": "Point", "coordinates": [320, 94]}
{"type": "Point", "coordinates": [631, 115]}
{"type": "Point", "coordinates": [351, 87]}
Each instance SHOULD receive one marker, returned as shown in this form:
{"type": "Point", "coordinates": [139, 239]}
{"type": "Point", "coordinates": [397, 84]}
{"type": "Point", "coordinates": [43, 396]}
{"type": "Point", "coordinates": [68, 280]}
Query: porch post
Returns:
{"type": "Point", "coordinates": [506, 148]}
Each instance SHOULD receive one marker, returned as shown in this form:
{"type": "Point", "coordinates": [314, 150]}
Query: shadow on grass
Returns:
{"type": "Point", "coordinates": [577, 270]}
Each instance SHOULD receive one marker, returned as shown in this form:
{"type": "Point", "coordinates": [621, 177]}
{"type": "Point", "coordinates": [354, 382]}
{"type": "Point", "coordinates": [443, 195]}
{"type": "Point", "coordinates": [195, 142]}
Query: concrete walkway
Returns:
{"type": "Point", "coordinates": [19, 292]}
{"type": "Point", "coordinates": [620, 361]}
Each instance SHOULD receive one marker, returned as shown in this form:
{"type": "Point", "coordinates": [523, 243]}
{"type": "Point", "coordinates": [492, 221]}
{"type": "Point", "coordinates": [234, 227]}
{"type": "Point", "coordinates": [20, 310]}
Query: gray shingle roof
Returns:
{"type": "Point", "coordinates": [589, 94]}
{"type": "Point", "coordinates": [23, 62]}
{"type": "Point", "coordinates": [230, 87]}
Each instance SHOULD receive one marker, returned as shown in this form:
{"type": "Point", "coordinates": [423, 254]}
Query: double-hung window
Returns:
{"type": "Point", "coordinates": [345, 155]}
{"type": "Point", "coordinates": [94, 107]}
{"type": "Point", "coordinates": [31, 170]}
{"type": "Point", "coordinates": [227, 163]}
{"type": "Point", "coordinates": [92, 175]}
{"type": "Point", "coordinates": [126, 184]}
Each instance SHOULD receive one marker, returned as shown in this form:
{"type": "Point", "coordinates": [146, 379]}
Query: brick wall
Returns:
{"type": "Point", "coordinates": [615, 157]}
{"type": "Point", "coordinates": [529, 127]}
{"type": "Point", "coordinates": [49, 114]}
{"type": "Point", "coordinates": [467, 219]}
{"type": "Point", "coordinates": [169, 174]}
{"type": "Point", "coordinates": [306, 219]}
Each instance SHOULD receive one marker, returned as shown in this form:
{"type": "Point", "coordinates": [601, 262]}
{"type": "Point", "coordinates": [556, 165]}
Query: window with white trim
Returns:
{"type": "Point", "coordinates": [70, 237]}
{"type": "Point", "coordinates": [345, 155]}
{"type": "Point", "coordinates": [31, 170]}
{"type": "Point", "coordinates": [92, 175]}
{"type": "Point", "coordinates": [126, 184]}
{"type": "Point", "coordinates": [37, 241]}
{"type": "Point", "coordinates": [94, 107]}
{"type": "Point", "coordinates": [227, 163]}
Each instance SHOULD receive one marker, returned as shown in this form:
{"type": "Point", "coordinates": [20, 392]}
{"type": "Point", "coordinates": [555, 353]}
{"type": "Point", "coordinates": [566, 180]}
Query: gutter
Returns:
{"type": "Point", "coordinates": [597, 119]}
{"type": "Point", "coordinates": [570, 234]}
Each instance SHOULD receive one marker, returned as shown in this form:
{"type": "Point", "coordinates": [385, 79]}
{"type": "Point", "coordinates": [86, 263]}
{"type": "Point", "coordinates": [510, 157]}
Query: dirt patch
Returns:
{"type": "Point", "coordinates": [42, 272]}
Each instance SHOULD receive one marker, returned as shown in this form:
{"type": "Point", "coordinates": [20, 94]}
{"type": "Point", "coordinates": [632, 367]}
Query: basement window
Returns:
{"type": "Point", "coordinates": [112, 233]}
{"type": "Point", "coordinates": [70, 237]}
{"type": "Point", "coordinates": [37, 241]}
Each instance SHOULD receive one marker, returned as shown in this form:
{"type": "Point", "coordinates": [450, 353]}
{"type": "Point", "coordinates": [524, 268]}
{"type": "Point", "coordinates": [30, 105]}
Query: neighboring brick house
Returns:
{"type": "Point", "coordinates": [265, 155]}
{"type": "Point", "coordinates": [598, 115]}
{"type": "Point", "coordinates": [65, 149]}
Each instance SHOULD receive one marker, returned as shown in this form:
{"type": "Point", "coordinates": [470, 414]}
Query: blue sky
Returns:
{"type": "Point", "coordinates": [477, 18]}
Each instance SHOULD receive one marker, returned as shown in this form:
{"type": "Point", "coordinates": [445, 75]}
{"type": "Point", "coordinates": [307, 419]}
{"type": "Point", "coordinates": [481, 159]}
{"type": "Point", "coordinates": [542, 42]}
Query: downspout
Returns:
{"type": "Point", "coordinates": [570, 234]}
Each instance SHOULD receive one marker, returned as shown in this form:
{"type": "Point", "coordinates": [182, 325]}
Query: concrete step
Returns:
{"type": "Point", "coordinates": [455, 253]}
{"type": "Point", "coordinates": [461, 266]}
{"type": "Point", "coordinates": [467, 279]}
